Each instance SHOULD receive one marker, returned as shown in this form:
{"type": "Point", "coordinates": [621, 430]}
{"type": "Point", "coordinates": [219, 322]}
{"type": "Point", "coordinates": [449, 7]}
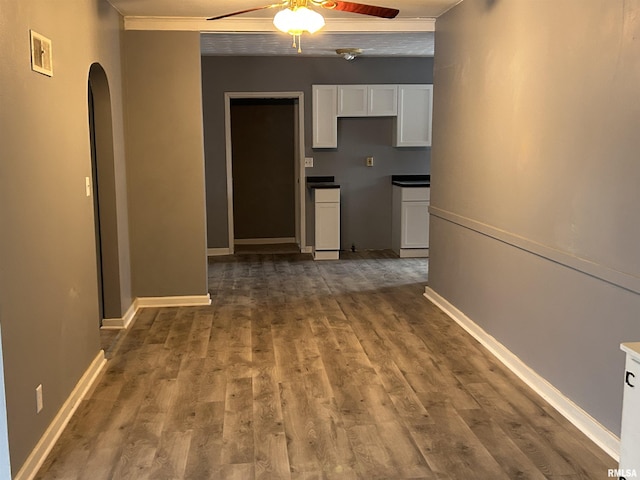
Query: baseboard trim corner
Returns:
{"type": "Point", "coordinates": [121, 323]}
{"type": "Point", "coordinates": [60, 421]}
{"type": "Point", "coordinates": [588, 425]}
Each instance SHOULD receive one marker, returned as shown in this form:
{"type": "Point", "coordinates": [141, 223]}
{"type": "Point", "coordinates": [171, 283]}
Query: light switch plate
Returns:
{"type": "Point", "coordinates": [308, 162]}
{"type": "Point", "coordinates": [369, 161]}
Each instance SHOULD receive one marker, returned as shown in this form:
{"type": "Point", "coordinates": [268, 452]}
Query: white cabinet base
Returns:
{"type": "Point", "coordinates": [413, 253]}
{"type": "Point", "coordinates": [326, 255]}
{"type": "Point", "coordinates": [410, 221]}
{"type": "Point", "coordinates": [327, 223]}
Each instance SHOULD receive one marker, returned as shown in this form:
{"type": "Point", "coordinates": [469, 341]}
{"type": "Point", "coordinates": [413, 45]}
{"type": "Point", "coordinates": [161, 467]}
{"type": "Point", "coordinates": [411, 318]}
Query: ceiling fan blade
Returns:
{"type": "Point", "coordinates": [361, 8]}
{"type": "Point", "coordinates": [282, 4]}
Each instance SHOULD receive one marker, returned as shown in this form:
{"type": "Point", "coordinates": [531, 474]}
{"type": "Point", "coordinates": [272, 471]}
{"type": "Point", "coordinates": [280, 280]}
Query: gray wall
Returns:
{"type": "Point", "coordinates": [366, 192]}
{"type": "Point", "coordinates": [48, 279]}
{"type": "Point", "coordinates": [165, 163]}
{"type": "Point", "coordinates": [535, 180]}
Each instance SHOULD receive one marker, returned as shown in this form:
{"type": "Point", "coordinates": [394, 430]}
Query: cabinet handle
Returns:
{"type": "Point", "coordinates": [626, 379]}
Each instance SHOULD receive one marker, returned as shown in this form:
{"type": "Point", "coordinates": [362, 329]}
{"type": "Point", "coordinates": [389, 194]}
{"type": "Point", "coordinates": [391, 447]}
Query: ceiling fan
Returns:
{"type": "Point", "coordinates": [295, 17]}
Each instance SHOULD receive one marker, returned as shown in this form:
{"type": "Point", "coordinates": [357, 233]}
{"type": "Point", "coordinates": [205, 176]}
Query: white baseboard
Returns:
{"type": "Point", "coordinates": [53, 432]}
{"type": "Point", "coordinates": [175, 301]}
{"type": "Point", "coordinates": [216, 252]}
{"type": "Point", "coordinates": [263, 241]}
{"type": "Point", "coordinates": [306, 250]}
{"type": "Point", "coordinates": [588, 425]}
{"type": "Point", "coordinates": [121, 323]}
{"type": "Point", "coordinates": [145, 302]}
{"type": "Point", "coordinates": [414, 253]}
{"type": "Point", "coordinates": [326, 255]}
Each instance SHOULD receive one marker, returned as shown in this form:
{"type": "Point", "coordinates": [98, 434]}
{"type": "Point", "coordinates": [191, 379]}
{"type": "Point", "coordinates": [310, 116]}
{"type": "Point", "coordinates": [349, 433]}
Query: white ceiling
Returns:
{"type": "Point", "coordinates": [409, 34]}
{"type": "Point", "coordinates": [211, 8]}
{"type": "Point", "coordinates": [412, 44]}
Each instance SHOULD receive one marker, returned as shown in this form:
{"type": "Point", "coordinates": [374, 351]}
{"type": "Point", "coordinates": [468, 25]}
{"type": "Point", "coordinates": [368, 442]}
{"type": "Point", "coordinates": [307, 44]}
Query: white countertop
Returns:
{"type": "Point", "coordinates": [632, 348]}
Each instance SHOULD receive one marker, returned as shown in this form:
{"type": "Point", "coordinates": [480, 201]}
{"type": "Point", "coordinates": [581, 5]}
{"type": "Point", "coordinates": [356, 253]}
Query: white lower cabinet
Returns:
{"type": "Point", "coordinates": [327, 223]}
{"type": "Point", "coordinates": [630, 434]}
{"type": "Point", "coordinates": [415, 225]}
{"type": "Point", "coordinates": [410, 221]}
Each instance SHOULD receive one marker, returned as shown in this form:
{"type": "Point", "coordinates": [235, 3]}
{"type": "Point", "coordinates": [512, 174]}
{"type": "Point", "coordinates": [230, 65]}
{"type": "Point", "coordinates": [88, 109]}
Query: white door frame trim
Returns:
{"type": "Point", "coordinates": [300, 169]}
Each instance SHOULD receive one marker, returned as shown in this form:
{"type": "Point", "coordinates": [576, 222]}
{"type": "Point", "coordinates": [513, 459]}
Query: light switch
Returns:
{"type": "Point", "coordinates": [87, 185]}
{"type": "Point", "coordinates": [369, 161]}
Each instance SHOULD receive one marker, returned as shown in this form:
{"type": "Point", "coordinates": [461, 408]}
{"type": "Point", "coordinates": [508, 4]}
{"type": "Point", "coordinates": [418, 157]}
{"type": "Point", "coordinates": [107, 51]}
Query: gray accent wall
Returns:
{"type": "Point", "coordinates": [165, 163]}
{"type": "Point", "coordinates": [366, 192]}
{"type": "Point", "coordinates": [48, 280]}
{"type": "Point", "coordinates": [535, 175]}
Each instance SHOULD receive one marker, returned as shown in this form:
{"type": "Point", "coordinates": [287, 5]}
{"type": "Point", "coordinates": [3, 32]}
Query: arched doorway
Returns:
{"type": "Point", "coordinates": [104, 193]}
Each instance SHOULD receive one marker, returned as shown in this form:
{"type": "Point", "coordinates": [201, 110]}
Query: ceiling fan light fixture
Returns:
{"type": "Point", "coordinates": [296, 20]}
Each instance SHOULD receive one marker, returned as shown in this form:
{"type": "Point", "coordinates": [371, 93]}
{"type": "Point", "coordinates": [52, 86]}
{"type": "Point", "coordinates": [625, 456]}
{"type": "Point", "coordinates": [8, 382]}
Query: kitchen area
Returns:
{"type": "Point", "coordinates": [369, 149]}
{"type": "Point", "coordinates": [410, 109]}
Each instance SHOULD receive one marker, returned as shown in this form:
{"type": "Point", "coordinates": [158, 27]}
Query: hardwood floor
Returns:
{"type": "Point", "coordinates": [314, 370]}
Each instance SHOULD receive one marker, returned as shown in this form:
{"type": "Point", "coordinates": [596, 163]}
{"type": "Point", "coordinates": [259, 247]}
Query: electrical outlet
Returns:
{"type": "Point", "coordinates": [308, 162]}
{"type": "Point", "coordinates": [39, 402]}
{"type": "Point", "coordinates": [369, 161]}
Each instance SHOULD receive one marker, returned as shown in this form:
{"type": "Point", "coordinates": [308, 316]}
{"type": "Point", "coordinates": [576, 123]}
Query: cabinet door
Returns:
{"type": "Point", "coordinates": [415, 225]}
{"type": "Point", "coordinates": [352, 100]}
{"type": "Point", "coordinates": [630, 435]}
{"type": "Point", "coordinates": [328, 226]}
{"type": "Point", "coordinates": [413, 125]}
{"type": "Point", "coordinates": [325, 121]}
{"type": "Point", "coordinates": [383, 100]}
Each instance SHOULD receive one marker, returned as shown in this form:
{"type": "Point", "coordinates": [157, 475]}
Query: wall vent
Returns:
{"type": "Point", "coordinates": [41, 55]}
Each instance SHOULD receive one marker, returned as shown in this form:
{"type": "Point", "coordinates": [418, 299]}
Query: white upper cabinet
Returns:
{"type": "Point", "coordinates": [410, 104]}
{"type": "Point", "coordinates": [367, 100]}
{"type": "Point", "coordinates": [325, 116]}
{"type": "Point", "coordinates": [383, 100]}
{"type": "Point", "coordinates": [413, 124]}
{"type": "Point", "coordinates": [352, 101]}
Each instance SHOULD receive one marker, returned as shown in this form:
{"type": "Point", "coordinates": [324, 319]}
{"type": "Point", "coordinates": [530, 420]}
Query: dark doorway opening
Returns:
{"type": "Point", "coordinates": [263, 139]}
{"type": "Point", "coordinates": [104, 194]}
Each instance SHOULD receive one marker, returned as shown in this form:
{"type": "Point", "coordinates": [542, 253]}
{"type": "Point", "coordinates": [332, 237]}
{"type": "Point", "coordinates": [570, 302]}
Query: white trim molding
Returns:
{"type": "Point", "coordinates": [217, 252]}
{"type": "Point", "coordinates": [264, 241]}
{"type": "Point", "coordinates": [620, 279]}
{"type": "Point", "coordinates": [53, 432]}
{"type": "Point", "coordinates": [174, 301]}
{"type": "Point", "coordinates": [121, 323]}
{"type": "Point", "coordinates": [146, 302]}
{"type": "Point", "coordinates": [198, 24]}
{"type": "Point", "coordinates": [588, 425]}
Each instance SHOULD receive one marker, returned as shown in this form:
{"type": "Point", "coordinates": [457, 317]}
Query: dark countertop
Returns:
{"type": "Point", "coordinates": [411, 181]}
{"type": "Point", "coordinates": [322, 182]}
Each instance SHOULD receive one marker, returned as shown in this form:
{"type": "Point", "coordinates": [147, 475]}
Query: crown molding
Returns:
{"type": "Point", "coordinates": [197, 24]}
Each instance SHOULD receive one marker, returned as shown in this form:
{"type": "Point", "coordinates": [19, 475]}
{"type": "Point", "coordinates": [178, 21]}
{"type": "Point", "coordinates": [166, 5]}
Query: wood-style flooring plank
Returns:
{"type": "Point", "coordinates": [303, 370]}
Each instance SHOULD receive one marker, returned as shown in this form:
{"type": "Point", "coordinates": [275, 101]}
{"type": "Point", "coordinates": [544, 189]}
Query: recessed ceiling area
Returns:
{"type": "Point", "coordinates": [412, 44]}
{"type": "Point", "coordinates": [410, 34]}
